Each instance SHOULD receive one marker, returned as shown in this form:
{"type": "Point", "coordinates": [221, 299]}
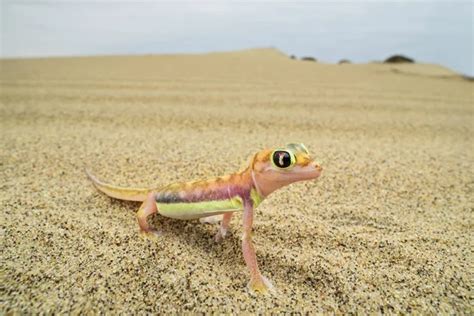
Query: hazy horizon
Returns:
{"type": "Point", "coordinates": [430, 32]}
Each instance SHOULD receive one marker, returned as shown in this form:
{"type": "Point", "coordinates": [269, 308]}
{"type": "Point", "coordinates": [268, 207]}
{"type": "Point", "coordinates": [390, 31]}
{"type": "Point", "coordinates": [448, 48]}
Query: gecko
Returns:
{"type": "Point", "coordinates": [221, 197]}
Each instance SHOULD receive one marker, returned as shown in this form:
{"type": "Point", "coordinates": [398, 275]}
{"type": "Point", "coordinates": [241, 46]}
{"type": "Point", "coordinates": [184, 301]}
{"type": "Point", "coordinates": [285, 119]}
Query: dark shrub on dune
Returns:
{"type": "Point", "coordinates": [308, 58]}
{"type": "Point", "coordinates": [344, 61]}
{"type": "Point", "coordinates": [293, 57]}
{"type": "Point", "coordinates": [399, 59]}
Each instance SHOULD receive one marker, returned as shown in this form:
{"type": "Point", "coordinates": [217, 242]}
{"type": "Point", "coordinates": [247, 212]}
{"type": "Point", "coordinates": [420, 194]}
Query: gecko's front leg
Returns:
{"type": "Point", "coordinates": [258, 283]}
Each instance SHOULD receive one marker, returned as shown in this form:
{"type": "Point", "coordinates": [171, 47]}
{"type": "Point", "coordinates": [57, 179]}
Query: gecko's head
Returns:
{"type": "Point", "coordinates": [275, 168]}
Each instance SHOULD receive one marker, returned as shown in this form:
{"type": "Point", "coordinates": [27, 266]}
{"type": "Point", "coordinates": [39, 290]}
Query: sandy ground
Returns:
{"type": "Point", "coordinates": [388, 227]}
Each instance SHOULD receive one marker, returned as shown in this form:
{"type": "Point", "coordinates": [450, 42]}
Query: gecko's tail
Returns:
{"type": "Point", "coordinates": [121, 193]}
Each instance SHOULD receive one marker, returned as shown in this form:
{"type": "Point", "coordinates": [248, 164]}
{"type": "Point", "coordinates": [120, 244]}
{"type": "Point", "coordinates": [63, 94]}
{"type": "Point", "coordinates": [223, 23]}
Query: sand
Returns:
{"type": "Point", "coordinates": [387, 228]}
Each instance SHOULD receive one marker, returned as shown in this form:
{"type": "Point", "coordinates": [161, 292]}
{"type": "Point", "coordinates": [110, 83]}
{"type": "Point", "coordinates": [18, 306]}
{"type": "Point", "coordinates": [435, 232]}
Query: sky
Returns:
{"type": "Point", "coordinates": [436, 31]}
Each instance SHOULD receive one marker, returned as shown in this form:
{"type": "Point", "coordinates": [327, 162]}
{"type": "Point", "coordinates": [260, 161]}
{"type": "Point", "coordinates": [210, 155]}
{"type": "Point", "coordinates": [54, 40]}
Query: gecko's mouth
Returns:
{"type": "Point", "coordinates": [309, 172]}
{"type": "Point", "coordinates": [313, 173]}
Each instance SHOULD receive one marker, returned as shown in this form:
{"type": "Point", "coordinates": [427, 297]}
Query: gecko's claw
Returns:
{"type": "Point", "coordinates": [261, 286]}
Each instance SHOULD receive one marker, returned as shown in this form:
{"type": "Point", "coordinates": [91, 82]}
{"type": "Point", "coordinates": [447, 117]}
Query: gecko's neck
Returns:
{"type": "Point", "coordinates": [243, 179]}
{"type": "Point", "coordinates": [253, 181]}
{"type": "Point", "coordinates": [250, 186]}
{"type": "Point", "coordinates": [265, 186]}
{"type": "Point", "coordinates": [255, 184]}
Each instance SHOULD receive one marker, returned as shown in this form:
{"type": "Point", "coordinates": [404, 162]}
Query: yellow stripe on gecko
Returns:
{"type": "Point", "coordinates": [199, 209]}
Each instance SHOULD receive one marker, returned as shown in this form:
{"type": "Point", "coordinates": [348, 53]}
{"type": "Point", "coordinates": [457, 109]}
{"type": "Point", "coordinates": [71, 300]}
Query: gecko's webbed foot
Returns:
{"type": "Point", "coordinates": [220, 235]}
{"type": "Point", "coordinates": [261, 286]}
{"type": "Point", "coordinates": [223, 228]}
{"type": "Point", "coordinates": [150, 234]}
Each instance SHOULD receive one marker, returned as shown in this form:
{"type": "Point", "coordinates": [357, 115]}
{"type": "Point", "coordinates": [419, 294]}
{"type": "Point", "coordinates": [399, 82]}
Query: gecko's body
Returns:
{"type": "Point", "coordinates": [200, 199]}
{"type": "Point", "coordinates": [242, 191]}
{"type": "Point", "coordinates": [195, 199]}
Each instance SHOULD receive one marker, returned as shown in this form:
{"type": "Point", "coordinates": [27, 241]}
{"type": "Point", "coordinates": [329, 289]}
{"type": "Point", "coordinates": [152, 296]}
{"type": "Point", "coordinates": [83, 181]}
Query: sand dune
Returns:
{"type": "Point", "coordinates": [388, 227]}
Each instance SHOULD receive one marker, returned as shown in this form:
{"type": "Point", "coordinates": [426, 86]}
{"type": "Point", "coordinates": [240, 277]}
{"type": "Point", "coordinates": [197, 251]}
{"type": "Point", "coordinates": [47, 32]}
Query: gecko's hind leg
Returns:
{"type": "Point", "coordinates": [147, 208]}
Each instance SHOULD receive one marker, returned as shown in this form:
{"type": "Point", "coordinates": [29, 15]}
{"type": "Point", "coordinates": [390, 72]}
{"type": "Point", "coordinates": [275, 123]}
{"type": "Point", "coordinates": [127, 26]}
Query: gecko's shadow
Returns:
{"type": "Point", "coordinates": [315, 276]}
{"type": "Point", "coordinates": [200, 237]}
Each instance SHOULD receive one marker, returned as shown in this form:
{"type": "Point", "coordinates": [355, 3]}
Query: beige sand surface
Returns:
{"type": "Point", "coordinates": [388, 227]}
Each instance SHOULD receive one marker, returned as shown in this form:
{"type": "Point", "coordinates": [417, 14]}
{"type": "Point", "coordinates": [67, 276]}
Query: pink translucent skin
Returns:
{"type": "Point", "coordinates": [224, 227]}
{"type": "Point", "coordinates": [267, 181]}
{"type": "Point", "coordinates": [147, 208]}
{"type": "Point", "coordinates": [270, 179]}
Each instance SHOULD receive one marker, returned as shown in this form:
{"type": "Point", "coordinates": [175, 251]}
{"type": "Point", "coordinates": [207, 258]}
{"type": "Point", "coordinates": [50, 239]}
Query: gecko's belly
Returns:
{"type": "Point", "coordinates": [180, 210]}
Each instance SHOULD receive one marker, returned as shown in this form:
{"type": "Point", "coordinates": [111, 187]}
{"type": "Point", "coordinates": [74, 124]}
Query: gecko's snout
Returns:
{"type": "Point", "coordinates": [317, 166]}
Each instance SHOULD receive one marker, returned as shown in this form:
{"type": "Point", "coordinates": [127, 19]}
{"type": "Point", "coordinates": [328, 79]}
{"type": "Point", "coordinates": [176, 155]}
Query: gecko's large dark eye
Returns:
{"type": "Point", "coordinates": [282, 159]}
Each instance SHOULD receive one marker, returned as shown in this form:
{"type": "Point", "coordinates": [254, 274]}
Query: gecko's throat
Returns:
{"type": "Point", "coordinates": [270, 180]}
